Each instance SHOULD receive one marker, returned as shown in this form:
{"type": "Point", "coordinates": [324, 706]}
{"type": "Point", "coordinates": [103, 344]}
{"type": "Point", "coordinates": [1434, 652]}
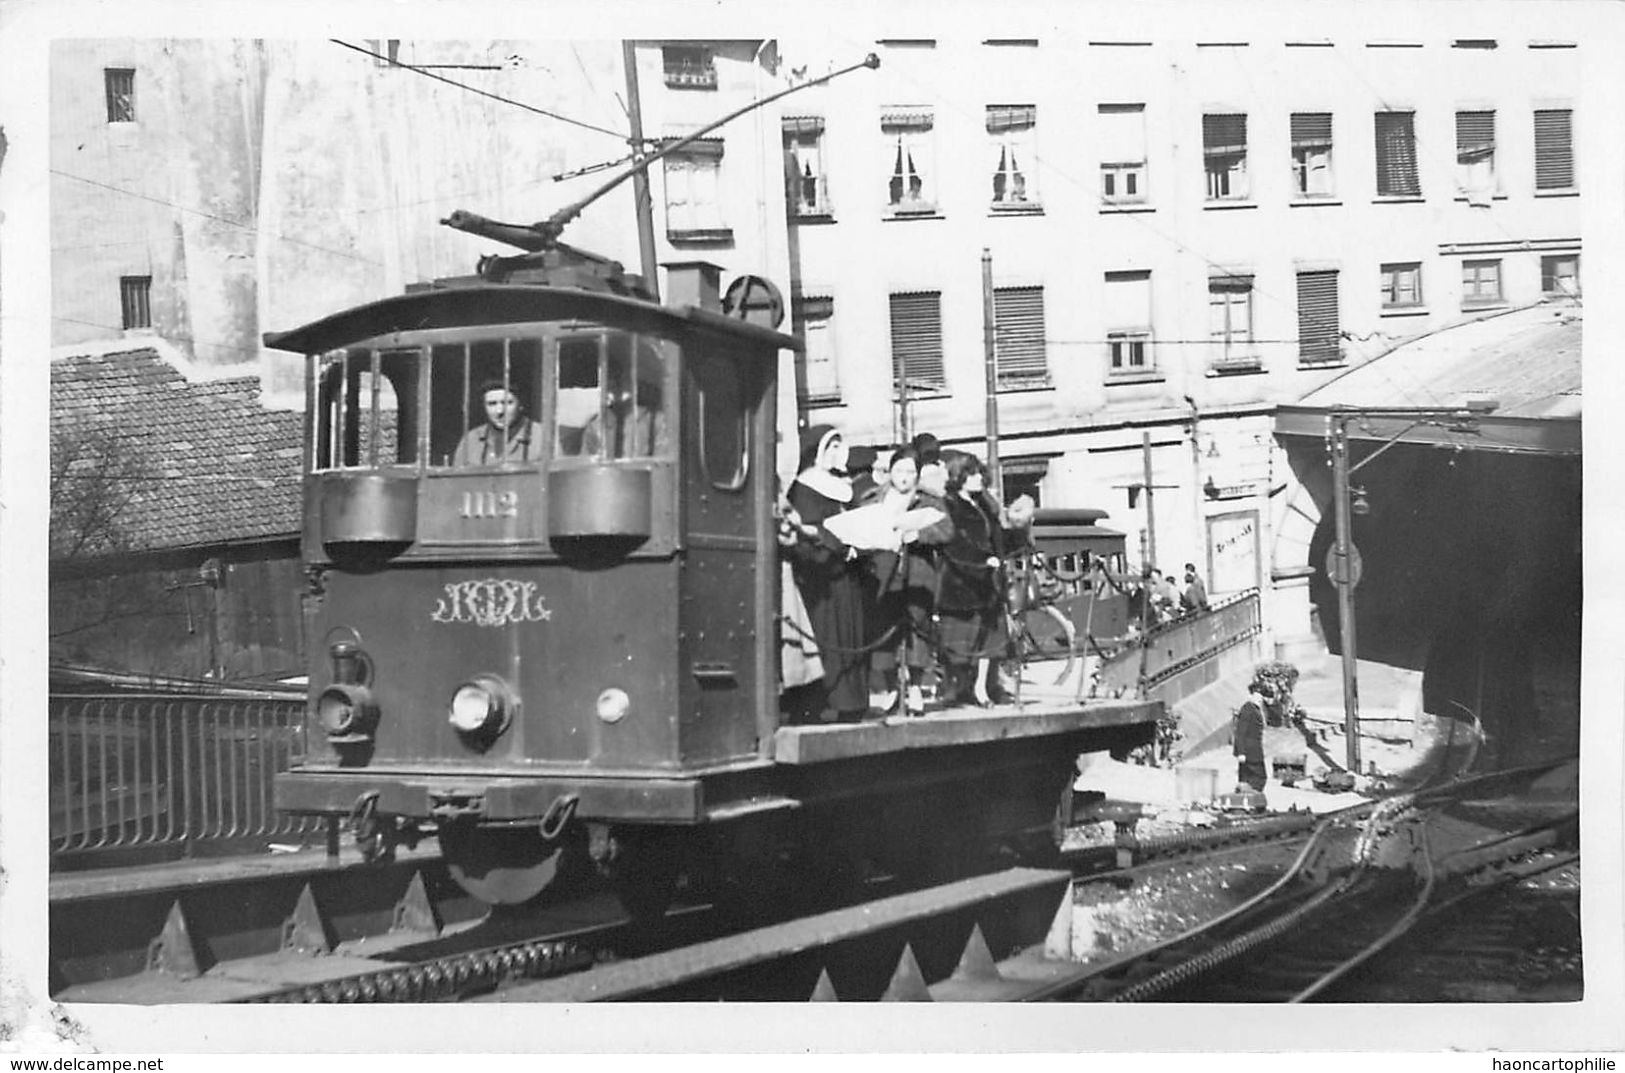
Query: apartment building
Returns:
{"type": "Point", "coordinates": [205, 191]}
{"type": "Point", "coordinates": [1182, 234]}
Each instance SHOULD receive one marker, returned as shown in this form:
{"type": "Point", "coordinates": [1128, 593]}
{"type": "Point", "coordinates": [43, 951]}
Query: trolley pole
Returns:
{"type": "Point", "coordinates": [1343, 577]}
{"type": "Point", "coordinates": [640, 179]}
{"type": "Point", "coordinates": [1150, 505]}
{"type": "Point", "coordinates": [995, 476]}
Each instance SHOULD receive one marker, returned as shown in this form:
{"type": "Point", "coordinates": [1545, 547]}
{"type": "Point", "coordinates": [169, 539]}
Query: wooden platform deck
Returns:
{"type": "Point", "coordinates": [1046, 708]}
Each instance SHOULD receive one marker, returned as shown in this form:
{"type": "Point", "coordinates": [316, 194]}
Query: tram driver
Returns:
{"type": "Point", "coordinates": [507, 435]}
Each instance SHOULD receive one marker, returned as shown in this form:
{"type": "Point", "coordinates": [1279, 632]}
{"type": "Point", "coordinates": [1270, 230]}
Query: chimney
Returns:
{"type": "Point", "coordinates": [694, 283]}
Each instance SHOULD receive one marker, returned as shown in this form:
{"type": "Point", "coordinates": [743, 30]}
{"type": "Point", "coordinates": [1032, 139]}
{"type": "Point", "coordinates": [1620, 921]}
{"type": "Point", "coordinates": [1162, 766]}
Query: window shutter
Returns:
{"type": "Point", "coordinates": [1311, 129]}
{"type": "Point", "coordinates": [1554, 149]}
{"type": "Point", "coordinates": [1003, 117]}
{"type": "Point", "coordinates": [1475, 135]}
{"type": "Point", "coordinates": [1128, 301]}
{"type": "Point", "coordinates": [1396, 155]}
{"type": "Point", "coordinates": [1018, 333]}
{"type": "Point", "coordinates": [1317, 317]}
{"type": "Point", "coordinates": [803, 124]}
{"type": "Point", "coordinates": [1224, 135]}
{"type": "Point", "coordinates": [916, 338]}
{"type": "Point", "coordinates": [906, 119]}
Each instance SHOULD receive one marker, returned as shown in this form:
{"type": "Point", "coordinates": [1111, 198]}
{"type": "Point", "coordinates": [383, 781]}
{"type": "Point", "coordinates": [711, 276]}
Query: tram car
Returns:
{"type": "Point", "coordinates": [556, 650]}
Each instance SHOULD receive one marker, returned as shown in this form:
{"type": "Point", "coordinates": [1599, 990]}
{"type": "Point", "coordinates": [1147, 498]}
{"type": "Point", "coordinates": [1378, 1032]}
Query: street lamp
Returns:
{"type": "Point", "coordinates": [1343, 564]}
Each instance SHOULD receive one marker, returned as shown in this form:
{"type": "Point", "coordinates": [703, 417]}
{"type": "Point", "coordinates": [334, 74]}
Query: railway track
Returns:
{"type": "Point", "coordinates": [1016, 935]}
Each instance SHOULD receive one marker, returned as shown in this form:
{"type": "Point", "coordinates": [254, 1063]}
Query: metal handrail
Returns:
{"type": "Point", "coordinates": [156, 769]}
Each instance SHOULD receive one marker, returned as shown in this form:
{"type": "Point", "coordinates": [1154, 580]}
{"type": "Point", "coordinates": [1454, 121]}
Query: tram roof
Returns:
{"type": "Point", "coordinates": [1527, 360]}
{"type": "Point", "coordinates": [463, 306]}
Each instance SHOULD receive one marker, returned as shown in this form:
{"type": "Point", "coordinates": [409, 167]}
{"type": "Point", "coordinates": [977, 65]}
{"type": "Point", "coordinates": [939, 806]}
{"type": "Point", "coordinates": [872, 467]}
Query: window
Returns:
{"type": "Point", "coordinates": [1011, 141]}
{"type": "Point", "coordinates": [612, 386]}
{"type": "Point", "coordinates": [1560, 274]}
{"type": "Point", "coordinates": [1018, 336]}
{"type": "Point", "coordinates": [1230, 323]}
{"type": "Point", "coordinates": [1318, 332]}
{"type": "Point", "coordinates": [464, 376]}
{"type": "Point", "coordinates": [1128, 332]}
{"type": "Point", "coordinates": [367, 408]}
{"type": "Point", "coordinates": [689, 67]}
{"type": "Point", "coordinates": [694, 193]}
{"type": "Point", "coordinates": [910, 183]}
{"type": "Point", "coordinates": [1122, 154]}
{"type": "Point", "coordinates": [724, 412]}
{"type": "Point", "coordinates": [806, 188]}
{"type": "Point", "coordinates": [1396, 155]}
{"type": "Point", "coordinates": [1402, 285]}
{"type": "Point", "coordinates": [1475, 155]}
{"type": "Point", "coordinates": [135, 295]}
{"type": "Point", "coordinates": [1224, 153]}
{"type": "Point", "coordinates": [1312, 154]}
{"type": "Point", "coordinates": [1480, 283]}
{"type": "Point", "coordinates": [1554, 149]}
{"type": "Point", "coordinates": [814, 320]}
{"type": "Point", "coordinates": [916, 341]}
{"type": "Point", "coordinates": [120, 83]}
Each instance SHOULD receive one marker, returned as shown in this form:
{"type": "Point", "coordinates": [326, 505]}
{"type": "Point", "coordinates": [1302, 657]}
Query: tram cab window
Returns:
{"type": "Point", "coordinates": [485, 403]}
{"type": "Point", "coordinates": [367, 412]}
{"type": "Point", "coordinates": [724, 422]}
{"type": "Point", "coordinates": [611, 397]}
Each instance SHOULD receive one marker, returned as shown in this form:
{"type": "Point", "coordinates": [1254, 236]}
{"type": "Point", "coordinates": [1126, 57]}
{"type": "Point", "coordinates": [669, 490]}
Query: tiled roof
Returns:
{"type": "Point", "coordinates": [213, 466]}
{"type": "Point", "coordinates": [1527, 359]}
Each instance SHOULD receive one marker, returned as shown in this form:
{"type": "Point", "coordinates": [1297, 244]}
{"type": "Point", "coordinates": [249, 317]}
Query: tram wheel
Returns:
{"type": "Point", "coordinates": [501, 865]}
{"type": "Point", "coordinates": [645, 869]}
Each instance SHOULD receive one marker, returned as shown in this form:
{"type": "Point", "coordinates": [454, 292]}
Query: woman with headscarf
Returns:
{"type": "Point", "coordinates": [828, 574]}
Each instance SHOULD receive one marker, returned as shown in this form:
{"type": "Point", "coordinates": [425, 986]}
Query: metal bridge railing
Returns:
{"type": "Point", "coordinates": [129, 770]}
{"type": "Point", "coordinates": [1174, 646]}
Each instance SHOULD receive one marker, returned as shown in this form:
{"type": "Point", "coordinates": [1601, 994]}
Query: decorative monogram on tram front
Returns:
{"type": "Point", "coordinates": [492, 601]}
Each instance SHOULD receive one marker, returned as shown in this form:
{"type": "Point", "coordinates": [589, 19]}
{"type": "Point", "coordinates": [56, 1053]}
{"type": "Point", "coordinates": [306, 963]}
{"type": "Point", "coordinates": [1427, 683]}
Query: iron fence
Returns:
{"type": "Point", "coordinates": [130, 770]}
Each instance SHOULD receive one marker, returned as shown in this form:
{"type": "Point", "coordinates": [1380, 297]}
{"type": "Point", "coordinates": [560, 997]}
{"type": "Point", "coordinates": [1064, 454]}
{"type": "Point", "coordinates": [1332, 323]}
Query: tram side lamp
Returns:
{"type": "Point", "coordinates": [346, 709]}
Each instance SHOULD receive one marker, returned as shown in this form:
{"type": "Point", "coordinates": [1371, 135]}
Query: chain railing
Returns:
{"type": "Point", "coordinates": [131, 770]}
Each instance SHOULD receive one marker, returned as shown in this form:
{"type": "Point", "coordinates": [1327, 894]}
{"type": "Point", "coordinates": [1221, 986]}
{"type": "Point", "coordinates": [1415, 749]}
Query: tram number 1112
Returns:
{"type": "Point", "coordinates": [490, 504]}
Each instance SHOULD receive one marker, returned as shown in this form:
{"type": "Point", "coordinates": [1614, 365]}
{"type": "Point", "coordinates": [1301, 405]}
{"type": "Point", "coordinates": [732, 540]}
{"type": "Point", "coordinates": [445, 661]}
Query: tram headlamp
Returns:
{"type": "Point", "coordinates": [347, 712]}
{"type": "Point", "coordinates": [482, 707]}
{"type": "Point", "coordinates": [613, 704]}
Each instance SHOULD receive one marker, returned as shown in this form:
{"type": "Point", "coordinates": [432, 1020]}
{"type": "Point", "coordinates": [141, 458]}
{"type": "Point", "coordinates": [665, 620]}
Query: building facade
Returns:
{"type": "Point", "coordinates": [1181, 235]}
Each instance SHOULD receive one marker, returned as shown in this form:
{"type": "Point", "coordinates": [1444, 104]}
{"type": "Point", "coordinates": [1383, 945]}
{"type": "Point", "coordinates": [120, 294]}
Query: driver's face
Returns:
{"type": "Point", "coordinates": [501, 407]}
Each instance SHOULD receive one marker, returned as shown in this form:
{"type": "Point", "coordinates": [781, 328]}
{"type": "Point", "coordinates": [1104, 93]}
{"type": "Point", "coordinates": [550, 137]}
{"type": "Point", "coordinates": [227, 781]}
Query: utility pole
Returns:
{"type": "Point", "coordinates": [1343, 576]}
{"type": "Point", "coordinates": [1150, 503]}
{"type": "Point", "coordinates": [1343, 564]}
{"type": "Point", "coordinates": [995, 476]}
{"type": "Point", "coordinates": [640, 179]}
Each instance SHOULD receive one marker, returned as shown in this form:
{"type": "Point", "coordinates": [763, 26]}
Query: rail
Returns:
{"type": "Point", "coordinates": [1176, 646]}
{"type": "Point", "coordinates": [169, 770]}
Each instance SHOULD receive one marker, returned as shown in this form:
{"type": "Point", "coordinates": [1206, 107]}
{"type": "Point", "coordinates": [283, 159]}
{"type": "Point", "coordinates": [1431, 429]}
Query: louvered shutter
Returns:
{"type": "Point", "coordinates": [1475, 136]}
{"type": "Point", "coordinates": [1311, 129]}
{"type": "Point", "coordinates": [1003, 117]}
{"type": "Point", "coordinates": [1122, 133]}
{"type": "Point", "coordinates": [1317, 317]}
{"type": "Point", "coordinates": [1018, 333]}
{"type": "Point", "coordinates": [1554, 149]}
{"type": "Point", "coordinates": [1396, 155]}
{"type": "Point", "coordinates": [1224, 135]}
{"type": "Point", "coordinates": [916, 338]}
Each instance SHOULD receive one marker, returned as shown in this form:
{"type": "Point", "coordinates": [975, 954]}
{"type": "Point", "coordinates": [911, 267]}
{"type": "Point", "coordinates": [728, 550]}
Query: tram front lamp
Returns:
{"type": "Point", "coordinates": [482, 707]}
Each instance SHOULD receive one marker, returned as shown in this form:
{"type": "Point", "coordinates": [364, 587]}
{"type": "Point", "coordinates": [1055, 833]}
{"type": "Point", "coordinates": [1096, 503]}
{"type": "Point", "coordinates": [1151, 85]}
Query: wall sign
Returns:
{"type": "Point", "coordinates": [1232, 542]}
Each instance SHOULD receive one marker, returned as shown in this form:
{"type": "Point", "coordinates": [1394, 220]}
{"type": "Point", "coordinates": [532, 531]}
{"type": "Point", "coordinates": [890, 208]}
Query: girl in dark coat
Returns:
{"type": "Point", "coordinates": [970, 605]}
{"type": "Point", "coordinates": [828, 575]}
{"type": "Point", "coordinates": [906, 582]}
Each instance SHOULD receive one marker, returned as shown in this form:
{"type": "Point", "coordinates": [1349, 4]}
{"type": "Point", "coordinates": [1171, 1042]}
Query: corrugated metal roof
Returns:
{"type": "Point", "coordinates": [213, 464]}
{"type": "Point", "coordinates": [1527, 359]}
